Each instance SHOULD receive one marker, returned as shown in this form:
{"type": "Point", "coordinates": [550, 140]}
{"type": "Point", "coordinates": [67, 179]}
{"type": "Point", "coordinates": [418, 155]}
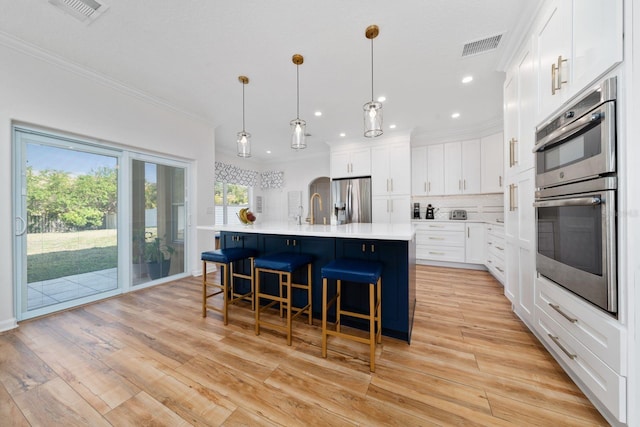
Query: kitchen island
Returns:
{"type": "Point", "coordinates": [393, 245]}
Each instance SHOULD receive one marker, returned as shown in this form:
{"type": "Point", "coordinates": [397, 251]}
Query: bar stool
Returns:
{"type": "Point", "coordinates": [358, 271]}
{"type": "Point", "coordinates": [284, 265]}
{"type": "Point", "coordinates": [225, 258]}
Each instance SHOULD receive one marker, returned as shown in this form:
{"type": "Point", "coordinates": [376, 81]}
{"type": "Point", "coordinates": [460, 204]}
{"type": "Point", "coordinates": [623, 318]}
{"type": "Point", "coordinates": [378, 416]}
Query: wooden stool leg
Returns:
{"type": "Point", "coordinates": [324, 317]}
{"type": "Point", "coordinates": [252, 284]}
{"type": "Point", "coordinates": [224, 271]}
{"type": "Point", "coordinates": [338, 305]}
{"type": "Point", "coordinates": [289, 306]}
{"type": "Point", "coordinates": [379, 311]}
{"type": "Point", "coordinates": [372, 326]}
{"type": "Point", "coordinates": [257, 301]}
{"type": "Point", "coordinates": [204, 288]}
{"type": "Point", "coordinates": [309, 295]}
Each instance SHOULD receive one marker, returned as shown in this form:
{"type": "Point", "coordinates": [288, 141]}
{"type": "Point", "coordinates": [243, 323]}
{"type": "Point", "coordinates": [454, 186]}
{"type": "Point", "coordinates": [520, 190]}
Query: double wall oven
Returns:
{"type": "Point", "coordinates": [575, 157]}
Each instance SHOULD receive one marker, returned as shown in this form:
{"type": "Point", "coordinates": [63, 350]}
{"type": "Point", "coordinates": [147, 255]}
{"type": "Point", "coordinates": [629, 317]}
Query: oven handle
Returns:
{"type": "Point", "coordinates": [569, 130]}
{"type": "Point", "coordinates": [578, 201]}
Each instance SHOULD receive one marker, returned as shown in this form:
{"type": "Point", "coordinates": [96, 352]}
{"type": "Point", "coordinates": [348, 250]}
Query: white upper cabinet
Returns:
{"type": "Point", "coordinates": [419, 181]}
{"type": "Point", "coordinates": [435, 170]}
{"type": "Point", "coordinates": [519, 107]}
{"type": "Point", "coordinates": [492, 176]}
{"type": "Point", "coordinates": [391, 172]}
{"type": "Point", "coordinates": [350, 162]}
{"type": "Point", "coordinates": [462, 167]}
{"type": "Point", "coordinates": [577, 43]}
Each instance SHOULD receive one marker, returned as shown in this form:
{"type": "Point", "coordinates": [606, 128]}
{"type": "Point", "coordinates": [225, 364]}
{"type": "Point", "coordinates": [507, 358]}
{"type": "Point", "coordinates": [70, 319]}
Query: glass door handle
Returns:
{"type": "Point", "coordinates": [21, 231]}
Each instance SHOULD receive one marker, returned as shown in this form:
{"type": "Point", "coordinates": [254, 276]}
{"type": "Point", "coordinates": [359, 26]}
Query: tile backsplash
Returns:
{"type": "Point", "coordinates": [481, 207]}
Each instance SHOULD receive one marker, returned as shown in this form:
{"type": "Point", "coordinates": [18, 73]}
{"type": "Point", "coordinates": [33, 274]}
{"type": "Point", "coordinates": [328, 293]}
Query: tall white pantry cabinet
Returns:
{"type": "Point", "coordinates": [570, 46]}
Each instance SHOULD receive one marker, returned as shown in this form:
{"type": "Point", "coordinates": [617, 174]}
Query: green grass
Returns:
{"type": "Point", "coordinates": [46, 266]}
{"type": "Point", "coordinates": [53, 255]}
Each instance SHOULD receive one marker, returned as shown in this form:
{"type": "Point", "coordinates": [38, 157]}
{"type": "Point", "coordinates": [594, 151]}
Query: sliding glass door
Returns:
{"type": "Point", "coordinates": [158, 220]}
{"type": "Point", "coordinates": [66, 222]}
{"type": "Point", "coordinates": [92, 221]}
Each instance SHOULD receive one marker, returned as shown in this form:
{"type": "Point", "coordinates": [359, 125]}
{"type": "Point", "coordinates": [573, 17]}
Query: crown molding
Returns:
{"type": "Point", "coordinates": [34, 51]}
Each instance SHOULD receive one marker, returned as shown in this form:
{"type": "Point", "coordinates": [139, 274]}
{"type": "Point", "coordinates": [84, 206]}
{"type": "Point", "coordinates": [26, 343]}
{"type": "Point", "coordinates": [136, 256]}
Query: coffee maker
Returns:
{"type": "Point", "coordinates": [416, 211]}
{"type": "Point", "coordinates": [431, 212]}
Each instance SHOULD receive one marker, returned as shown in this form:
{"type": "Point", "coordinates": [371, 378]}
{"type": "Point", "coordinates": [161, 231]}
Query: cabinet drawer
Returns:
{"type": "Point", "coordinates": [440, 253]}
{"type": "Point", "coordinates": [597, 331]}
{"type": "Point", "coordinates": [496, 248]}
{"type": "Point", "coordinates": [440, 238]}
{"type": "Point", "coordinates": [496, 267]}
{"type": "Point", "coordinates": [441, 226]}
{"type": "Point", "coordinates": [602, 381]}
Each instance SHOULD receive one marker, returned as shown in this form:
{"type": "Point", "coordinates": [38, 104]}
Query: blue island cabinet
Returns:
{"type": "Point", "coordinates": [398, 281]}
{"type": "Point", "coordinates": [323, 251]}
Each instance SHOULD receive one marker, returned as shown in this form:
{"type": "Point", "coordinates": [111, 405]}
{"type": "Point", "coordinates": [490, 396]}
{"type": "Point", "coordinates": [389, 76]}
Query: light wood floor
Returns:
{"type": "Point", "coordinates": [149, 358]}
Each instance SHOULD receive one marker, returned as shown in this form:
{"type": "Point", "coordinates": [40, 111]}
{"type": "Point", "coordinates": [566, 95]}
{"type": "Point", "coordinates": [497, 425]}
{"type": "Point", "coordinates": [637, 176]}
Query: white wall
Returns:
{"type": "Point", "coordinates": [41, 91]}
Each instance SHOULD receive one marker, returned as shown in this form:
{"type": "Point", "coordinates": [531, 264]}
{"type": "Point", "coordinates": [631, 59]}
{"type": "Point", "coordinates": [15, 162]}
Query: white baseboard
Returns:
{"type": "Point", "coordinates": [8, 324]}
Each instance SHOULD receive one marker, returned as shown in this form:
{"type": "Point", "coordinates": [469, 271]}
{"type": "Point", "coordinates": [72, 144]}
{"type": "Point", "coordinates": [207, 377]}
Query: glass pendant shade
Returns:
{"type": "Point", "coordinates": [244, 144]}
{"type": "Point", "coordinates": [372, 119]}
{"type": "Point", "coordinates": [298, 126]}
{"type": "Point", "coordinates": [298, 131]}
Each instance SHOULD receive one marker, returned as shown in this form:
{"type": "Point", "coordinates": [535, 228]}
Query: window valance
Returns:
{"type": "Point", "coordinates": [271, 179]}
{"type": "Point", "coordinates": [235, 175]}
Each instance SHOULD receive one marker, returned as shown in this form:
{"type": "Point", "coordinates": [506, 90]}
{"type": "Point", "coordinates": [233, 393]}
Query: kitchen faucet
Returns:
{"type": "Point", "coordinates": [313, 196]}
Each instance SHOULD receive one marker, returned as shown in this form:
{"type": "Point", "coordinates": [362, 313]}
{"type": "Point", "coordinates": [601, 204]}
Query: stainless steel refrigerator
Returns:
{"type": "Point", "coordinates": [351, 200]}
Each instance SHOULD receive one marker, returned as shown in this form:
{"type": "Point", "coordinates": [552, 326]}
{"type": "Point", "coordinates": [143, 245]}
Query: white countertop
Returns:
{"type": "Point", "coordinates": [486, 221]}
{"type": "Point", "coordinates": [349, 231]}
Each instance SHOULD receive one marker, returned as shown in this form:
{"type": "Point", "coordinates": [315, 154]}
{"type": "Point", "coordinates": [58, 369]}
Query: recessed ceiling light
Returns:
{"type": "Point", "coordinates": [455, 115]}
{"type": "Point", "coordinates": [392, 126]}
{"type": "Point", "coordinates": [318, 113]}
{"type": "Point", "coordinates": [382, 99]}
{"type": "Point", "coordinates": [467, 79]}
{"type": "Point", "coordinates": [343, 134]}
{"type": "Point", "coordinates": [268, 151]}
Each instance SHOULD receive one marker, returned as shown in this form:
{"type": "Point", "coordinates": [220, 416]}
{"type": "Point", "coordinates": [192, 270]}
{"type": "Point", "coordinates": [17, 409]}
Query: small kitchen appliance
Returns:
{"type": "Point", "coordinates": [458, 214]}
{"type": "Point", "coordinates": [431, 212]}
{"type": "Point", "coordinates": [416, 211]}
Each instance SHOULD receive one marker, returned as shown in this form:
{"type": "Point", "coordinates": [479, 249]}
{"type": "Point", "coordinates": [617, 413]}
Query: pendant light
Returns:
{"type": "Point", "coordinates": [298, 126]}
{"type": "Point", "coordinates": [244, 138]}
{"type": "Point", "coordinates": [372, 109]}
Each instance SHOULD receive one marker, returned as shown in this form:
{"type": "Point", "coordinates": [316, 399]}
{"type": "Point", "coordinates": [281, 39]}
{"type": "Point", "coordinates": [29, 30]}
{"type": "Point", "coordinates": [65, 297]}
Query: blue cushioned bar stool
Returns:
{"type": "Point", "coordinates": [284, 265]}
{"type": "Point", "coordinates": [225, 259]}
{"type": "Point", "coordinates": [362, 272]}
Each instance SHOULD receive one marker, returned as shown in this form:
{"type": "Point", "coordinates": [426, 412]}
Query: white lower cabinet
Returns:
{"type": "Point", "coordinates": [588, 342]}
{"type": "Point", "coordinates": [476, 243]}
{"type": "Point", "coordinates": [441, 241]}
{"type": "Point", "coordinates": [391, 209]}
{"type": "Point", "coordinates": [495, 251]}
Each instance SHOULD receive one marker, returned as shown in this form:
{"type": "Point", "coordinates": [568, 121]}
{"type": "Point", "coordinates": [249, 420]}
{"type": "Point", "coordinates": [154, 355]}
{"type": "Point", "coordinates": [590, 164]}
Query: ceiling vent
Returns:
{"type": "Point", "coordinates": [85, 11]}
{"type": "Point", "coordinates": [481, 46]}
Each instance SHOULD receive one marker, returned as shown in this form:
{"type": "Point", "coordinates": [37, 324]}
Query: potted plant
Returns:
{"type": "Point", "coordinates": [158, 257]}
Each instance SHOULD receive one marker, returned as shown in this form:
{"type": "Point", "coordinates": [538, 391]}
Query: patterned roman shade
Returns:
{"type": "Point", "coordinates": [235, 175]}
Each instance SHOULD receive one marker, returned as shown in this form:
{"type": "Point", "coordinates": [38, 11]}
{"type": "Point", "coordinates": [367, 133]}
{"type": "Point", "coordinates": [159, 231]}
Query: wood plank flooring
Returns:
{"type": "Point", "coordinates": [149, 358]}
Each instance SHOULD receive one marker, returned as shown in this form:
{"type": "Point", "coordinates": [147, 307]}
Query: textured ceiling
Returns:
{"type": "Point", "coordinates": [190, 53]}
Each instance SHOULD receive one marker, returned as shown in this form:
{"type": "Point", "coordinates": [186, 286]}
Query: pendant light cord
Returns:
{"type": "Point", "coordinates": [243, 107]}
{"type": "Point", "coordinates": [297, 92]}
{"type": "Point", "coordinates": [371, 69]}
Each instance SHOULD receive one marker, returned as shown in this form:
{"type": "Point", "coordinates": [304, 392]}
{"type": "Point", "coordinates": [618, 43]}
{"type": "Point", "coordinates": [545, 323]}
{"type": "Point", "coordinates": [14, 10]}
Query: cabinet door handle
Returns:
{"type": "Point", "coordinates": [500, 270]}
{"type": "Point", "coordinates": [468, 233]}
{"type": "Point", "coordinates": [287, 242]}
{"type": "Point", "coordinates": [500, 181]}
{"type": "Point", "coordinates": [425, 187]}
{"type": "Point", "coordinates": [512, 197]}
{"type": "Point", "coordinates": [436, 238]}
{"type": "Point", "coordinates": [373, 248]}
{"type": "Point", "coordinates": [464, 184]}
{"type": "Point", "coordinates": [499, 248]}
{"type": "Point", "coordinates": [294, 242]}
{"type": "Point", "coordinates": [387, 185]}
{"type": "Point", "coordinates": [391, 202]}
{"type": "Point", "coordinates": [459, 184]}
{"type": "Point", "coordinates": [489, 261]}
{"type": "Point", "coordinates": [436, 253]}
{"type": "Point", "coordinates": [556, 75]}
{"type": "Point", "coordinates": [391, 185]}
{"type": "Point", "coordinates": [429, 187]}
{"type": "Point", "coordinates": [564, 350]}
{"type": "Point", "coordinates": [557, 308]}
{"type": "Point", "coordinates": [364, 248]}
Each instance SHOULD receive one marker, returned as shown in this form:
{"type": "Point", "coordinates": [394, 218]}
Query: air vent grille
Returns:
{"type": "Point", "coordinates": [84, 10]}
{"type": "Point", "coordinates": [481, 46]}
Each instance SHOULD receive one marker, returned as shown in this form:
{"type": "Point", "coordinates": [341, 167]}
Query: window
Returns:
{"type": "Point", "coordinates": [229, 199]}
